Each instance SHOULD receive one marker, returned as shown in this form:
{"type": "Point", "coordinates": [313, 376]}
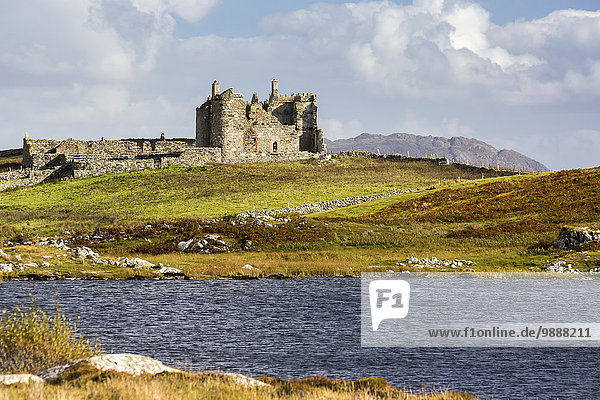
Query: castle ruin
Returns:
{"type": "Point", "coordinates": [228, 130]}
{"type": "Point", "coordinates": [281, 126]}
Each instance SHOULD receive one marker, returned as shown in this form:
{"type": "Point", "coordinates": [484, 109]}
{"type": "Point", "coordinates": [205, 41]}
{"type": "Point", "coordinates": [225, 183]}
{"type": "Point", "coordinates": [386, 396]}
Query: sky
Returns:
{"type": "Point", "coordinates": [518, 74]}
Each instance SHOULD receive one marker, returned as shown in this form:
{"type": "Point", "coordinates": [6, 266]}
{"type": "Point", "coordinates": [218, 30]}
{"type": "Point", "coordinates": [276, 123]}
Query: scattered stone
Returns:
{"type": "Point", "coordinates": [250, 267]}
{"type": "Point", "coordinates": [207, 245]}
{"type": "Point", "coordinates": [561, 267]}
{"type": "Point", "coordinates": [45, 264]}
{"type": "Point", "coordinates": [4, 256]}
{"type": "Point", "coordinates": [6, 268]}
{"type": "Point", "coordinates": [594, 271]}
{"type": "Point", "coordinates": [433, 262]}
{"type": "Point", "coordinates": [12, 379]}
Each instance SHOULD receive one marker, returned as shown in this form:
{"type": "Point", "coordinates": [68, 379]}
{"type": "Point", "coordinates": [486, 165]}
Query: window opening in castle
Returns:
{"type": "Point", "coordinates": [274, 147]}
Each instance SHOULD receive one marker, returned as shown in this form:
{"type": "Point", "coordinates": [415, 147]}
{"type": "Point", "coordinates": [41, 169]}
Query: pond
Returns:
{"type": "Point", "coordinates": [296, 328]}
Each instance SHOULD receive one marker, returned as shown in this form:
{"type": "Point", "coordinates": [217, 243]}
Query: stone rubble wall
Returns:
{"type": "Point", "coordinates": [324, 205]}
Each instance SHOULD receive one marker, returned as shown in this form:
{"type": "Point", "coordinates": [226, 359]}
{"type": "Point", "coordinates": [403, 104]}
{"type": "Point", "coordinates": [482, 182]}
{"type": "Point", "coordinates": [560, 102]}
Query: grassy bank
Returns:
{"type": "Point", "coordinates": [107, 385]}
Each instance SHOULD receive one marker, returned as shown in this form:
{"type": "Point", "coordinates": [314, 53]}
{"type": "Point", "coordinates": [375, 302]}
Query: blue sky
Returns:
{"type": "Point", "coordinates": [519, 74]}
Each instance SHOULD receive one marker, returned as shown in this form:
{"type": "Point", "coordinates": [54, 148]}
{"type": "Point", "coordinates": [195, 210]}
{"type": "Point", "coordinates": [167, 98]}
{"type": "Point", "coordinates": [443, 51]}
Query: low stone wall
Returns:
{"type": "Point", "coordinates": [14, 174]}
{"type": "Point", "coordinates": [193, 156]}
{"type": "Point", "coordinates": [270, 157]}
{"type": "Point", "coordinates": [325, 205]}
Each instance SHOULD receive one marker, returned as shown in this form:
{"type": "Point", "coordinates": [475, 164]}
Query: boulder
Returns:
{"type": "Point", "coordinates": [244, 380]}
{"type": "Point", "coordinates": [136, 263]}
{"type": "Point", "coordinates": [168, 271]}
{"type": "Point", "coordinates": [125, 363]}
{"type": "Point", "coordinates": [183, 246]}
{"type": "Point", "coordinates": [30, 265]}
{"type": "Point", "coordinates": [12, 379]}
{"type": "Point", "coordinates": [4, 256]}
{"type": "Point", "coordinates": [571, 238]}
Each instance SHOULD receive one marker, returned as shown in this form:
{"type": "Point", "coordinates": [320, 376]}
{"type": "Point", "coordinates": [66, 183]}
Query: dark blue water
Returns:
{"type": "Point", "coordinates": [296, 328]}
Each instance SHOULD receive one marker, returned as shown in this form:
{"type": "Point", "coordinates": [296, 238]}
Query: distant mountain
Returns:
{"type": "Point", "coordinates": [456, 149]}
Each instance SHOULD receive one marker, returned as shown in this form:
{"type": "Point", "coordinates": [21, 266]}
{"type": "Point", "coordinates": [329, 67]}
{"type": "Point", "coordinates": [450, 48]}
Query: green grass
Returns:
{"type": "Point", "coordinates": [502, 223]}
{"type": "Point", "coordinates": [11, 162]}
{"type": "Point", "coordinates": [177, 193]}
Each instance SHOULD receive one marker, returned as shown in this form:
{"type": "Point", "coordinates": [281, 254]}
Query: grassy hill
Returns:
{"type": "Point", "coordinates": [213, 191]}
{"type": "Point", "coordinates": [500, 223]}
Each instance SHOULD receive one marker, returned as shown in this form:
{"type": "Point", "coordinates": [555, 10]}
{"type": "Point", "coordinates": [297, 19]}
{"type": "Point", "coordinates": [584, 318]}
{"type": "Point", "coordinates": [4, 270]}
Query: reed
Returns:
{"type": "Point", "coordinates": [31, 340]}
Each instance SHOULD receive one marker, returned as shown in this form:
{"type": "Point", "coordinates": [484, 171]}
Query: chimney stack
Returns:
{"type": "Point", "coordinates": [275, 88]}
{"type": "Point", "coordinates": [216, 89]}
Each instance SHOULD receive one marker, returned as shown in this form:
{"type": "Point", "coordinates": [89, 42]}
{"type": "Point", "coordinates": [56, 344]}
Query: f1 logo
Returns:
{"type": "Point", "coordinates": [389, 299]}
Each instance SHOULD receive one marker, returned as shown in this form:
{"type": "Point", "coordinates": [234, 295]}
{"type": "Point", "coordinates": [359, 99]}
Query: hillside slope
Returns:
{"type": "Point", "coordinates": [457, 149]}
{"type": "Point", "coordinates": [212, 191]}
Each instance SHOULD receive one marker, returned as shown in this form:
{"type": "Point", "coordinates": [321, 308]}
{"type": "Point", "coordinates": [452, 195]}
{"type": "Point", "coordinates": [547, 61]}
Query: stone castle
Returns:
{"type": "Point", "coordinates": [247, 131]}
{"type": "Point", "coordinates": [228, 130]}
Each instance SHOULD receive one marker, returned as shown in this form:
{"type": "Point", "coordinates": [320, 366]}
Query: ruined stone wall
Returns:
{"type": "Point", "coordinates": [203, 115]}
{"type": "Point", "coordinates": [274, 157]}
{"type": "Point", "coordinates": [77, 158]}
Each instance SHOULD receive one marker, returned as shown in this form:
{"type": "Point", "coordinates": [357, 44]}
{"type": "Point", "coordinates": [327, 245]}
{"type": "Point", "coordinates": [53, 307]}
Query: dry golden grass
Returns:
{"type": "Point", "coordinates": [107, 385]}
{"type": "Point", "coordinates": [31, 340]}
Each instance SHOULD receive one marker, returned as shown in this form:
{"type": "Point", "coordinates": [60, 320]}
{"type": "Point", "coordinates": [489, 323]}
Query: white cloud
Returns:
{"type": "Point", "coordinates": [435, 49]}
{"type": "Point", "coordinates": [336, 129]}
{"type": "Point", "coordinates": [190, 10]}
{"type": "Point", "coordinates": [91, 68]}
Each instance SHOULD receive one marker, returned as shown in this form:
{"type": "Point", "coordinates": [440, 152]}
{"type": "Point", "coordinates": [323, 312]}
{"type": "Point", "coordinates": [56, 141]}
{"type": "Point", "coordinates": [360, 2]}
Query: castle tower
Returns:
{"type": "Point", "coordinates": [216, 89]}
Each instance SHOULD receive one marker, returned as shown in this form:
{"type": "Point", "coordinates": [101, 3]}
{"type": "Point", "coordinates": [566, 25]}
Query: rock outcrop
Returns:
{"type": "Point", "coordinates": [571, 238]}
{"type": "Point", "coordinates": [12, 379]}
{"type": "Point", "coordinates": [125, 363]}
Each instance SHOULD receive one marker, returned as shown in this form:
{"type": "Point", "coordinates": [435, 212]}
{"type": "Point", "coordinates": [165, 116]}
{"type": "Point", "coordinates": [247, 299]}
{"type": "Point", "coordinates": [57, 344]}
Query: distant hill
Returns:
{"type": "Point", "coordinates": [456, 149]}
